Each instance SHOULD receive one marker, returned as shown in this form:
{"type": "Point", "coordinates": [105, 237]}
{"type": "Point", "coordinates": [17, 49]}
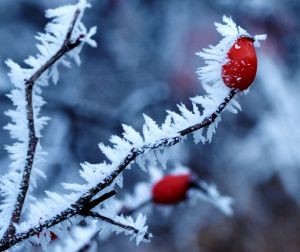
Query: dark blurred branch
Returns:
{"type": "Point", "coordinates": [67, 46]}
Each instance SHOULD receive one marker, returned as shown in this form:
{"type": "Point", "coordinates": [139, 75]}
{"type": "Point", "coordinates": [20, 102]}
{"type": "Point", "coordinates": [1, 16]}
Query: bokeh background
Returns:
{"type": "Point", "coordinates": [145, 63]}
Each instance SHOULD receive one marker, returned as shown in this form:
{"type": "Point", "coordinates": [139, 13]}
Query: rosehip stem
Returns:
{"type": "Point", "coordinates": [197, 185]}
{"type": "Point", "coordinates": [210, 119]}
{"type": "Point", "coordinates": [130, 211]}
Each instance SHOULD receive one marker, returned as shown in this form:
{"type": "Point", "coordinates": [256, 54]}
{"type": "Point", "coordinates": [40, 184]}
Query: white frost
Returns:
{"type": "Point", "coordinates": [121, 147]}
{"type": "Point", "coordinates": [49, 44]}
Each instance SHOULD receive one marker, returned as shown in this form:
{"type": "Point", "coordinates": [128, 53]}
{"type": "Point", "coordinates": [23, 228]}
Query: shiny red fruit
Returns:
{"type": "Point", "coordinates": [240, 70]}
{"type": "Point", "coordinates": [171, 189]}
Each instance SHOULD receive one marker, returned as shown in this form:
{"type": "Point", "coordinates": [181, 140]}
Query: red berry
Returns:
{"type": "Point", "coordinates": [239, 72]}
{"type": "Point", "coordinates": [171, 189]}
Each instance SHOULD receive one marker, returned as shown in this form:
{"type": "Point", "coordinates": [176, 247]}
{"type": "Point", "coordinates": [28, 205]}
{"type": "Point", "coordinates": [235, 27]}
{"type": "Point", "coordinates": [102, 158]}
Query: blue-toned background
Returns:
{"type": "Point", "coordinates": [145, 63]}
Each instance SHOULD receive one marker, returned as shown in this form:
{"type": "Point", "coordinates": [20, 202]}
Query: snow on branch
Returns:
{"type": "Point", "coordinates": [63, 34]}
{"type": "Point", "coordinates": [144, 149]}
{"type": "Point", "coordinates": [53, 210]}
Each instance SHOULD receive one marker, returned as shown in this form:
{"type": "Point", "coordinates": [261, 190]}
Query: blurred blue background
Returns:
{"type": "Point", "coordinates": [145, 63]}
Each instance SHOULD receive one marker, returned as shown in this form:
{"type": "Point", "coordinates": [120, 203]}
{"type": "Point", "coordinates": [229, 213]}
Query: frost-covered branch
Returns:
{"type": "Point", "coordinates": [79, 205]}
{"type": "Point", "coordinates": [158, 144]}
{"type": "Point", "coordinates": [63, 35]}
{"type": "Point", "coordinates": [67, 46]}
{"type": "Point", "coordinates": [85, 210]}
{"type": "Point", "coordinates": [150, 147]}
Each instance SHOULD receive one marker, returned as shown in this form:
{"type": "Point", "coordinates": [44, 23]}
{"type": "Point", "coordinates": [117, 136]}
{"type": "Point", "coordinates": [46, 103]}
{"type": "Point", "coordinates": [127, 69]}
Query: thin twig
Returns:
{"type": "Point", "coordinates": [33, 140]}
{"type": "Point", "coordinates": [90, 205]}
{"type": "Point", "coordinates": [79, 205]}
{"type": "Point", "coordinates": [124, 211]}
{"type": "Point", "coordinates": [131, 229]}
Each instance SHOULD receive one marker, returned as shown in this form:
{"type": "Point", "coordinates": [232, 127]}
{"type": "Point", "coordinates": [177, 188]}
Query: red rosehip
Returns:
{"type": "Point", "coordinates": [240, 70]}
{"type": "Point", "coordinates": [171, 189]}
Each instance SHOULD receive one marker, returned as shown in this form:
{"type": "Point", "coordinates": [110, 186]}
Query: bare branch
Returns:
{"type": "Point", "coordinates": [80, 204]}
{"type": "Point", "coordinates": [67, 46]}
